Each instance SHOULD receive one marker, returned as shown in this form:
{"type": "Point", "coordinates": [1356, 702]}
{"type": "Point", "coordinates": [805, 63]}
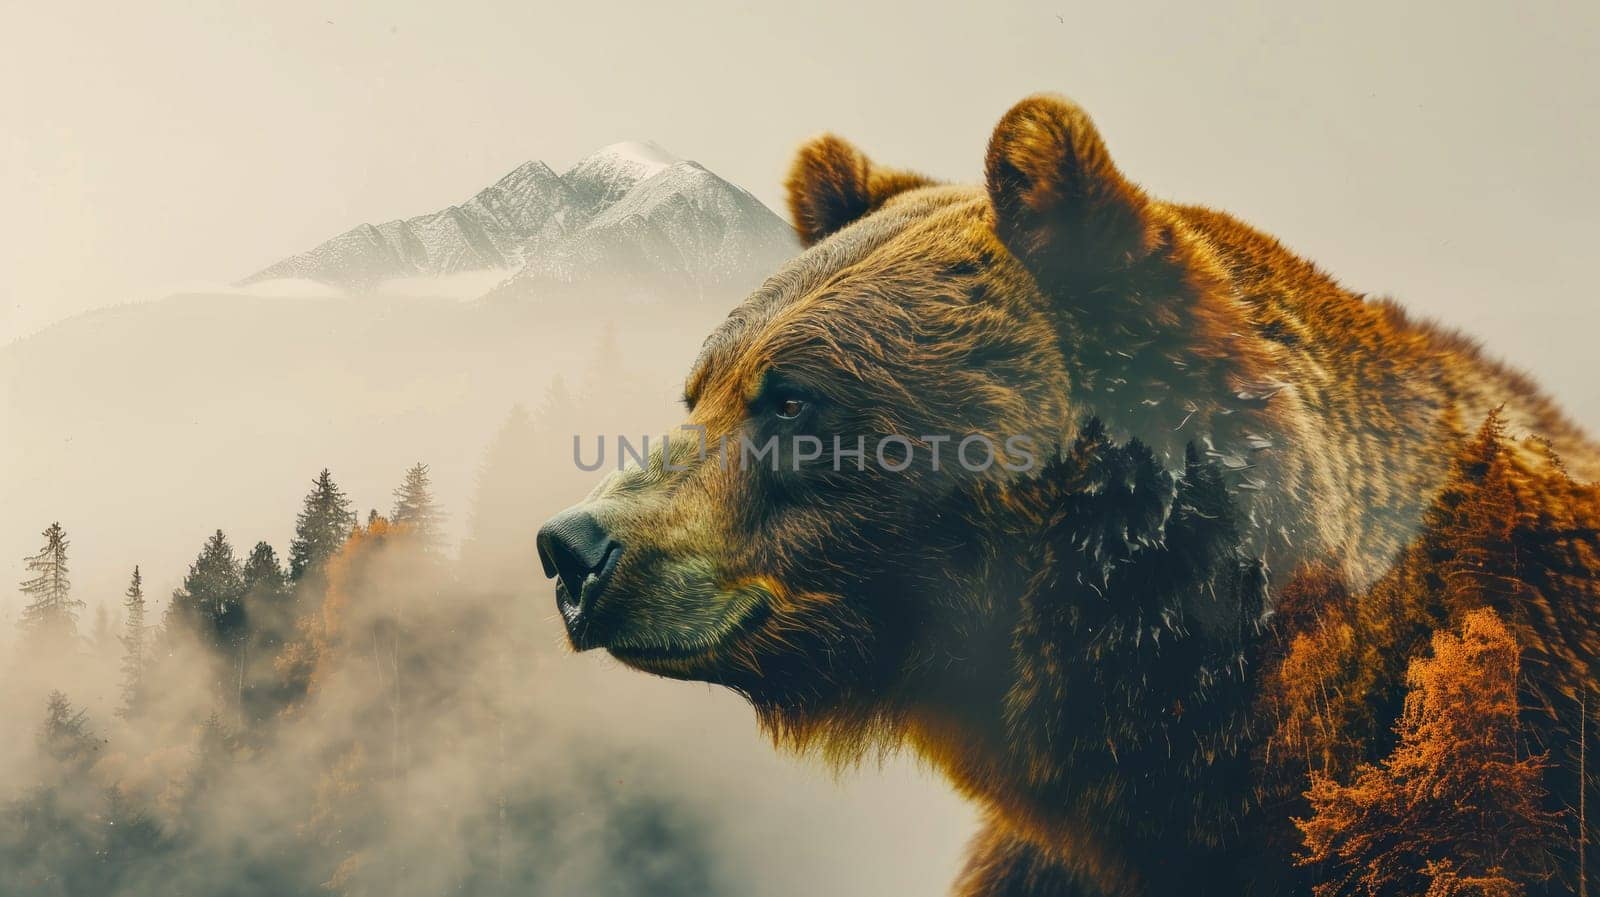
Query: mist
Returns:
{"type": "Point", "coordinates": [406, 719]}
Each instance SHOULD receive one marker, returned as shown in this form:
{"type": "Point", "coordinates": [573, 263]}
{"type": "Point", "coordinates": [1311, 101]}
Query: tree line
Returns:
{"type": "Point", "coordinates": [242, 610]}
{"type": "Point", "coordinates": [350, 718]}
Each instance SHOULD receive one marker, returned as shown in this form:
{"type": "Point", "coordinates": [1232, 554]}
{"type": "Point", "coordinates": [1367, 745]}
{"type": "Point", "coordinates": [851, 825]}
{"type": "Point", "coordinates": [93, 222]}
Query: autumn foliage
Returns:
{"type": "Point", "coordinates": [1456, 808]}
{"type": "Point", "coordinates": [304, 660]}
{"type": "Point", "coordinates": [1429, 728]}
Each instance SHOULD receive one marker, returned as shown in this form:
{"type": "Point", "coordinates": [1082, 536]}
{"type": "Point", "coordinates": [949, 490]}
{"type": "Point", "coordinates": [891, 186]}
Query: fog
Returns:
{"type": "Point", "coordinates": [445, 741]}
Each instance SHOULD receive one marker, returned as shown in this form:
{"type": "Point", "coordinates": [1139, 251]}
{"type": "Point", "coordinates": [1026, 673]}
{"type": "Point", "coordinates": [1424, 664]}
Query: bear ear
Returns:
{"type": "Point", "coordinates": [831, 184]}
{"type": "Point", "coordinates": [1060, 204]}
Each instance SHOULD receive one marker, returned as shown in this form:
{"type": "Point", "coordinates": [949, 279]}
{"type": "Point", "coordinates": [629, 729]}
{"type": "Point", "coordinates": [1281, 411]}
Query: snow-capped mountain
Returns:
{"type": "Point", "coordinates": [608, 174]}
{"type": "Point", "coordinates": [486, 231]}
{"type": "Point", "coordinates": [630, 214]}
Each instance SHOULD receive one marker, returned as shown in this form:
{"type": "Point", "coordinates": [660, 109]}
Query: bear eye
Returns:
{"type": "Point", "coordinates": [790, 408]}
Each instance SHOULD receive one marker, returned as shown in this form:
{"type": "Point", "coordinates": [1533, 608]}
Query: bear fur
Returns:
{"type": "Point", "coordinates": [1084, 649]}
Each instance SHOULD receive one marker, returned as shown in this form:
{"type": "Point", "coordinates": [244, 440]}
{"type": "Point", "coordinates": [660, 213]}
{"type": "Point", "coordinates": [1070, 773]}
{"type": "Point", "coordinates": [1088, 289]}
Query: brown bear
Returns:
{"type": "Point", "coordinates": [1176, 414]}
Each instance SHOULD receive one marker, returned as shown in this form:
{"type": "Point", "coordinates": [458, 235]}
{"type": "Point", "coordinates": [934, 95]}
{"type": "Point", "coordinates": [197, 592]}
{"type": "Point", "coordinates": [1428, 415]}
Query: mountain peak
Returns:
{"type": "Point", "coordinates": [606, 175]}
{"type": "Point", "coordinates": [531, 171]}
{"type": "Point", "coordinates": [629, 209]}
{"type": "Point", "coordinates": [646, 154]}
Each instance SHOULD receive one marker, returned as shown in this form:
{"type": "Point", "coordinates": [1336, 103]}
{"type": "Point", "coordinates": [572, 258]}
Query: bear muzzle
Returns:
{"type": "Point", "coordinates": [581, 555]}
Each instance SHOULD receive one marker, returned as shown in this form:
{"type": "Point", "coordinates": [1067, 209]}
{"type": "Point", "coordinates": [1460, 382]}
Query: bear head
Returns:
{"type": "Point", "coordinates": [802, 539]}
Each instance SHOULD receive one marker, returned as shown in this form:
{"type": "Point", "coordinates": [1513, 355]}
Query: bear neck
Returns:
{"type": "Point", "coordinates": [1164, 352]}
{"type": "Point", "coordinates": [1110, 632]}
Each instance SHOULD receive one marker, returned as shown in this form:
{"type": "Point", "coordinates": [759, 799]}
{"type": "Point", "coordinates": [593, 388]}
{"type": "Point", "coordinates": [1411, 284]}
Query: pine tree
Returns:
{"type": "Point", "coordinates": [210, 600]}
{"type": "Point", "coordinates": [263, 575]}
{"type": "Point", "coordinates": [415, 509]}
{"type": "Point", "coordinates": [65, 735]}
{"type": "Point", "coordinates": [48, 842]}
{"type": "Point", "coordinates": [322, 526]}
{"type": "Point", "coordinates": [268, 622]}
{"type": "Point", "coordinates": [214, 745]}
{"type": "Point", "coordinates": [134, 637]}
{"type": "Point", "coordinates": [211, 756]}
{"type": "Point", "coordinates": [51, 615]}
{"type": "Point", "coordinates": [1477, 523]}
{"type": "Point", "coordinates": [130, 836]}
{"type": "Point", "coordinates": [265, 588]}
{"type": "Point", "coordinates": [1456, 808]}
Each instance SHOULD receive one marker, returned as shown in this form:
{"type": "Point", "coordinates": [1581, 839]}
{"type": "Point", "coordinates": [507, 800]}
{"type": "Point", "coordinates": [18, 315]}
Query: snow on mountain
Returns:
{"type": "Point", "coordinates": [610, 172]}
{"type": "Point", "coordinates": [630, 212]}
{"type": "Point", "coordinates": [680, 226]}
{"type": "Point", "coordinates": [487, 231]}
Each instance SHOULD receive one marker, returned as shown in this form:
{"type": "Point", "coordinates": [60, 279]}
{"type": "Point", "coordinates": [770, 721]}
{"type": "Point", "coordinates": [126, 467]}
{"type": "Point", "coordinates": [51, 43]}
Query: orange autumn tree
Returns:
{"type": "Point", "coordinates": [344, 669]}
{"type": "Point", "coordinates": [1456, 809]}
{"type": "Point", "coordinates": [387, 668]}
{"type": "Point", "coordinates": [1322, 666]}
{"type": "Point", "coordinates": [1510, 531]}
{"type": "Point", "coordinates": [1338, 654]}
{"type": "Point", "coordinates": [304, 661]}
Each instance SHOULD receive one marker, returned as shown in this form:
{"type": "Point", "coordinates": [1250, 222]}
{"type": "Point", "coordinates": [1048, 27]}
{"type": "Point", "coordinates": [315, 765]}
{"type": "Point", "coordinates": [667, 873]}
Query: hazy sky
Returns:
{"type": "Point", "coordinates": [1439, 152]}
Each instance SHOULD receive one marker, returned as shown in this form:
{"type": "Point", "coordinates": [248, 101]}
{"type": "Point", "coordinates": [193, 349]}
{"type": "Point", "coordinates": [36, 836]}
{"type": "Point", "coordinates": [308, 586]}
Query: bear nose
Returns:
{"type": "Point", "coordinates": [576, 549]}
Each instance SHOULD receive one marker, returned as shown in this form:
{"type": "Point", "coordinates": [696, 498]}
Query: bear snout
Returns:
{"type": "Point", "coordinates": [581, 555]}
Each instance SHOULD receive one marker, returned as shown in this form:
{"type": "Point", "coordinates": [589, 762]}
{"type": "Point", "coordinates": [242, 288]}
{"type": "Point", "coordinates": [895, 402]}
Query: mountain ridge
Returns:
{"type": "Point", "coordinates": [630, 213]}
